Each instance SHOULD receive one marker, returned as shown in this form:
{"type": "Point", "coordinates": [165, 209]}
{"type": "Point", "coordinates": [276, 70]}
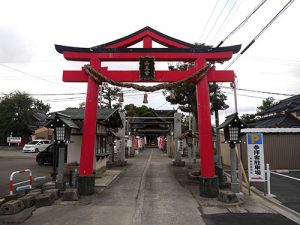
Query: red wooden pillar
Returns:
{"type": "Point", "coordinates": [86, 180]}
{"type": "Point", "coordinates": [208, 180]}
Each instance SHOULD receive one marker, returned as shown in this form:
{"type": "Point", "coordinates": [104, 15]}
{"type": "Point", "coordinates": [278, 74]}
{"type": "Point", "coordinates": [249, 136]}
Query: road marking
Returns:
{"type": "Point", "coordinates": [294, 178]}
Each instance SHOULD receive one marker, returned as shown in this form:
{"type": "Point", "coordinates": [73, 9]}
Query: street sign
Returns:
{"type": "Point", "coordinates": [256, 162]}
{"type": "Point", "coordinates": [16, 140]}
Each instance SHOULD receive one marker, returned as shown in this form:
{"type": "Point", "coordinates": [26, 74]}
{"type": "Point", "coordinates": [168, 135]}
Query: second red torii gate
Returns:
{"type": "Point", "coordinates": [176, 50]}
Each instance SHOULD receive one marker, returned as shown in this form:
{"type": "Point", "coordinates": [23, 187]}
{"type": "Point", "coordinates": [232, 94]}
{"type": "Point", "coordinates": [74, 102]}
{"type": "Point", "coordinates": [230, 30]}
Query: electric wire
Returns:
{"type": "Point", "coordinates": [236, 9]}
{"type": "Point", "coordinates": [260, 33]}
{"type": "Point", "coordinates": [208, 21]}
{"type": "Point", "coordinates": [242, 23]}
{"type": "Point", "coordinates": [34, 76]}
{"type": "Point", "coordinates": [219, 16]}
{"type": "Point", "coordinates": [250, 96]}
{"type": "Point", "coordinates": [257, 91]}
{"type": "Point", "coordinates": [224, 21]}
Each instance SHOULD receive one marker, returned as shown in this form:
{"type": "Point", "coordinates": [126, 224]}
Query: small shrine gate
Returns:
{"type": "Point", "coordinates": [176, 50]}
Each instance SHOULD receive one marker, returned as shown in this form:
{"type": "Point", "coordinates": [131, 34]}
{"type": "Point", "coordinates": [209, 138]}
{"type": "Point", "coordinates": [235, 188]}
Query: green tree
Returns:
{"type": "Point", "coordinates": [252, 118]}
{"type": "Point", "coordinates": [142, 111]}
{"type": "Point", "coordinates": [267, 103]}
{"type": "Point", "coordinates": [16, 111]}
{"type": "Point", "coordinates": [40, 106]}
{"type": "Point", "coordinates": [185, 94]}
{"type": "Point", "coordinates": [109, 96]}
{"type": "Point", "coordinates": [249, 118]}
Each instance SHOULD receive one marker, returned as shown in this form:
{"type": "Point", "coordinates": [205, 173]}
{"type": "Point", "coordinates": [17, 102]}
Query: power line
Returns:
{"type": "Point", "coordinates": [242, 23]}
{"type": "Point", "coordinates": [260, 33]}
{"type": "Point", "coordinates": [232, 16]}
{"type": "Point", "coordinates": [224, 21]}
{"type": "Point", "coordinates": [219, 16]}
{"type": "Point", "coordinates": [250, 96]}
{"type": "Point", "coordinates": [34, 76]}
{"type": "Point", "coordinates": [209, 18]}
{"type": "Point", "coordinates": [263, 92]}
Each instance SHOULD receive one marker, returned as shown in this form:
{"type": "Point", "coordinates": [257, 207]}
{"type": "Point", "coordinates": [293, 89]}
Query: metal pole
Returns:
{"type": "Point", "coordinates": [268, 180]}
{"type": "Point", "coordinates": [238, 146]}
{"type": "Point", "coordinates": [219, 169]}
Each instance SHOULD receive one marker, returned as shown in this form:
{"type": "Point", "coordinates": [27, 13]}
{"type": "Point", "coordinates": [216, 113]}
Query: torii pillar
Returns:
{"type": "Point", "coordinates": [86, 179]}
{"type": "Point", "coordinates": [209, 185]}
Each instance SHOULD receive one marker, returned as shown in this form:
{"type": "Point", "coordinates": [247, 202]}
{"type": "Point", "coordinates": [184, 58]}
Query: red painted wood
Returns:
{"type": "Point", "coordinates": [161, 76]}
{"type": "Point", "coordinates": [220, 75]}
{"type": "Point", "coordinates": [159, 56]}
{"type": "Point", "coordinates": [147, 42]}
{"type": "Point", "coordinates": [204, 126]}
{"type": "Point", "coordinates": [89, 125]}
{"type": "Point", "coordinates": [139, 37]}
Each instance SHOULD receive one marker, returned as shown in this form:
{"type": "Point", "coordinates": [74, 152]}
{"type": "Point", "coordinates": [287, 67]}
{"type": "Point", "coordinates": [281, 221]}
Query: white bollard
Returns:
{"type": "Point", "coordinates": [268, 181]}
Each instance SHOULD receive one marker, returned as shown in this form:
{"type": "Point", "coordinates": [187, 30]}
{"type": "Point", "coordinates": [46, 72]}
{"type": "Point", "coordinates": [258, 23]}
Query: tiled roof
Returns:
{"type": "Point", "coordinates": [285, 104]}
{"type": "Point", "coordinates": [78, 114]}
{"type": "Point", "coordinates": [285, 121]}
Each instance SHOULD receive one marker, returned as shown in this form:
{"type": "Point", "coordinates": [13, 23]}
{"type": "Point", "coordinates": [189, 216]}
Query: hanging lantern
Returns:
{"type": "Point", "coordinates": [172, 95]}
{"type": "Point", "coordinates": [121, 97]}
{"type": "Point", "coordinates": [145, 98]}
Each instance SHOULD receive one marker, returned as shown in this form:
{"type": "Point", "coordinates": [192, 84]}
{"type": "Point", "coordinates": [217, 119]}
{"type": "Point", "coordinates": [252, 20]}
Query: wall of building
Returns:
{"type": "Point", "coordinates": [281, 151]}
{"type": "Point", "coordinates": [74, 149]}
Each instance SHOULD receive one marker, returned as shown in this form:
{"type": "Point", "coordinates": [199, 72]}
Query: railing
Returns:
{"type": "Point", "coordinates": [24, 187]}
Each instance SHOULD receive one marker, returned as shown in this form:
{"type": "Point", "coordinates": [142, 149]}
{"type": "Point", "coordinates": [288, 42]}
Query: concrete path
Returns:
{"type": "Point", "coordinates": [146, 193]}
{"type": "Point", "coordinates": [151, 191]}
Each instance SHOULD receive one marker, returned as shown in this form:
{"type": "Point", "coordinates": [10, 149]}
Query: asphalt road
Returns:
{"type": "Point", "coordinates": [285, 188]}
{"type": "Point", "coordinates": [247, 219]}
{"type": "Point", "coordinates": [9, 165]}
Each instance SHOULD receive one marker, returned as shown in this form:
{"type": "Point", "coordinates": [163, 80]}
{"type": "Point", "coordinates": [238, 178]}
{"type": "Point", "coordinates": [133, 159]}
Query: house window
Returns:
{"type": "Point", "coordinates": [101, 145]}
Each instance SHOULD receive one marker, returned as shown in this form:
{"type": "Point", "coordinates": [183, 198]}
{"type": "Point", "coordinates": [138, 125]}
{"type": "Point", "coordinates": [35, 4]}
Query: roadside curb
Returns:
{"type": "Point", "coordinates": [276, 203]}
{"type": "Point", "coordinates": [279, 207]}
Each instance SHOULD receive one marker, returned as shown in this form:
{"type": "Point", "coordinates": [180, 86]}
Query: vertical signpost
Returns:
{"type": "Point", "coordinates": [256, 164]}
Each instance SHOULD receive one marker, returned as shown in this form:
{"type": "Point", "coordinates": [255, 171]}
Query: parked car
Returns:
{"type": "Point", "coordinates": [36, 145]}
{"type": "Point", "coordinates": [45, 156]}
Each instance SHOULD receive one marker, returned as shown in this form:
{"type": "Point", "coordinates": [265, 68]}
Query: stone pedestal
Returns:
{"type": "Point", "coordinates": [70, 194]}
{"type": "Point", "coordinates": [11, 207]}
{"type": "Point", "coordinates": [86, 185]}
{"type": "Point", "coordinates": [209, 187]}
{"type": "Point", "coordinates": [179, 163]}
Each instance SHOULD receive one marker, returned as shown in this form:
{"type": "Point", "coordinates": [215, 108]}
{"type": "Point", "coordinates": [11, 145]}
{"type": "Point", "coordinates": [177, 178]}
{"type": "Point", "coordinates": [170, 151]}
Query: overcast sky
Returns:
{"type": "Point", "coordinates": [29, 29]}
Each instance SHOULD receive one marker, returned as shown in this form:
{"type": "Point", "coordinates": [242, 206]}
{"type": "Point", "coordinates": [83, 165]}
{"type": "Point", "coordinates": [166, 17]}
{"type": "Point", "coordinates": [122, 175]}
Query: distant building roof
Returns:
{"type": "Point", "coordinates": [271, 130]}
{"type": "Point", "coordinates": [40, 116]}
{"type": "Point", "coordinates": [110, 117]}
{"type": "Point", "coordinates": [285, 120]}
{"type": "Point", "coordinates": [78, 114]}
{"type": "Point", "coordinates": [283, 105]}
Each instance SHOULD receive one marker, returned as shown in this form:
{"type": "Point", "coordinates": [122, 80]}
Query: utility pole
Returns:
{"type": "Point", "coordinates": [238, 146]}
{"type": "Point", "coordinates": [218, 147]}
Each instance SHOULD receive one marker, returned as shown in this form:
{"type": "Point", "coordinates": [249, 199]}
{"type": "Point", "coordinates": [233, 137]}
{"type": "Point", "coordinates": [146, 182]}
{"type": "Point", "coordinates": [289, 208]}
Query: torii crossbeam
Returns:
{"type": "Point", "coordinates": [176, 50]}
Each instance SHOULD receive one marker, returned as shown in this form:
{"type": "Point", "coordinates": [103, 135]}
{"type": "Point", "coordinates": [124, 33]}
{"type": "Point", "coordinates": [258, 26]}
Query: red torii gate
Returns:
{"type": "Point", "coordinates": [176, 50]}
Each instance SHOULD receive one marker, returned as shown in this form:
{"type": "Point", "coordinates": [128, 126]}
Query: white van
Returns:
{"type": "Point", "coordinates": [36, 145]}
